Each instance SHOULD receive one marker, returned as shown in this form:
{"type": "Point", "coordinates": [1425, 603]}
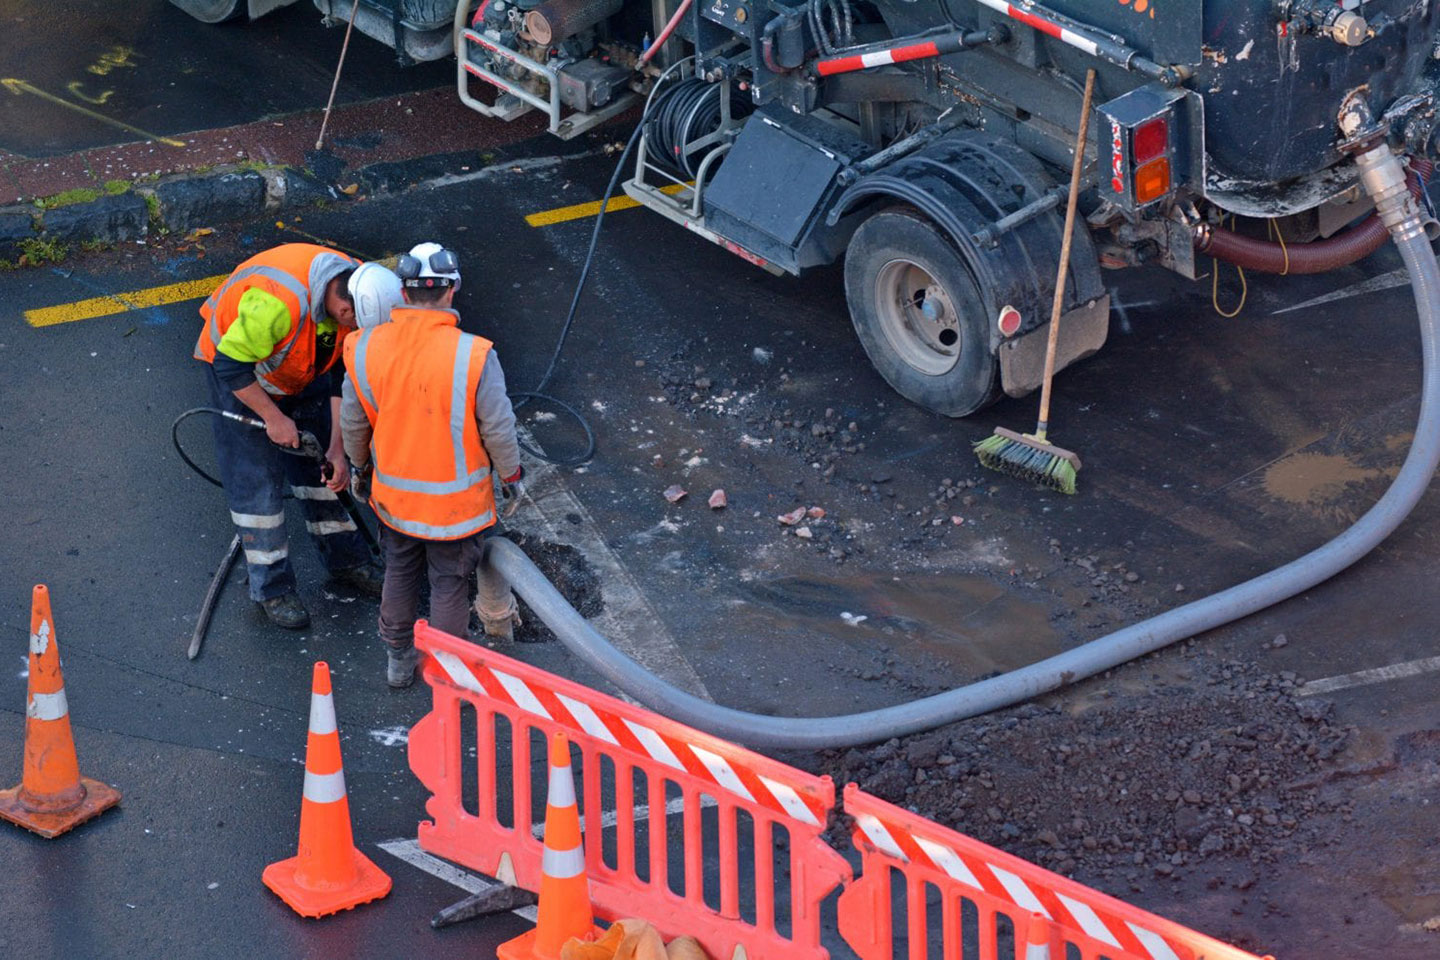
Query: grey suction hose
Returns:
{"type": "Point", "coordinates": [1384, 178]}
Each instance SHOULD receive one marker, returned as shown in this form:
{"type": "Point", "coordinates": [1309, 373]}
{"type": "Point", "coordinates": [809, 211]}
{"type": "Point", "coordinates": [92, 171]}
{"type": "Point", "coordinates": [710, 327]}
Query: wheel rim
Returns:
{"type": "Point", "coordinates": [918, 317]}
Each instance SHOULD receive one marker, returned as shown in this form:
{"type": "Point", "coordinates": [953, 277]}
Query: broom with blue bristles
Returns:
{"type": "Point", "coordinates": [1031, 456]}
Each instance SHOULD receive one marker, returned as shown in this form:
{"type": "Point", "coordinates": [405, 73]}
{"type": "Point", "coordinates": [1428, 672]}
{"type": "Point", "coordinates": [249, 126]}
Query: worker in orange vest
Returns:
{"type": "Point", "coordinates": [426, 422]}
{"type": "Point", "coordinates": [272, 337]}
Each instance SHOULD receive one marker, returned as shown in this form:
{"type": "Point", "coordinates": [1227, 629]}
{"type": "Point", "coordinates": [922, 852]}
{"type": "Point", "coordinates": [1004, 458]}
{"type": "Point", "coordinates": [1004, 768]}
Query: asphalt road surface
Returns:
{"type": "Point", "coordinates": [149, 67]}
{"type": "Point", "coordinates": [1214, 449]}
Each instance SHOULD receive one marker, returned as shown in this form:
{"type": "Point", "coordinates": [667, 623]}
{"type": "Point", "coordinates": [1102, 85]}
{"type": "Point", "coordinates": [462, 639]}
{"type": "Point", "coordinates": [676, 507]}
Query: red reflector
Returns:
{"type": "Point", "coordinates": [1151, 140]}
{"type": "Point", "coordinates": [1009, 321]}
{"type": "Point", "coordinates": [1152, 181]}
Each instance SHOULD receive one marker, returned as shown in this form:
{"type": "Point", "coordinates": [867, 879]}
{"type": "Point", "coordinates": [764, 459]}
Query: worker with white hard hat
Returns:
{"type": "Point", "coordinates": [426, 419]}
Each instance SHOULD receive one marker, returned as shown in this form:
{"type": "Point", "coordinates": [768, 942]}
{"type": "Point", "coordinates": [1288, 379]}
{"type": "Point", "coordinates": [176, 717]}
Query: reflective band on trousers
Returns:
{"type": "Point", "coordinates": [563, 864]}
{"type": "Point", "coordinates": [323, 528]}
{"type": "Point", "coordinates": [324, 787]}
{"type": "Point", "coordinates": [258, 521]}
{"type": "Point", "coordinates": [313, 493]}
{"type": "Point", "coordinates": [459, 382]}
{"type": "Point", "coordinates": [47, 706]}
{"type": "Point", "coordinates": [266, 557]}
{"type": "Point", "coordinates": [428, 531]}
{"type": "Point", "coordinates": [302, 294]}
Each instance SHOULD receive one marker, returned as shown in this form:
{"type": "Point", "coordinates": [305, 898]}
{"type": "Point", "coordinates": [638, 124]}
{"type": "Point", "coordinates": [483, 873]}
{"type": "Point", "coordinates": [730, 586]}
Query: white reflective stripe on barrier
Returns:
{"type": "Point", "coordinates": [949, 861]}
{"type": "Point", "coordinates": [723, 773]}
{"type": "Point", "coordinates": [40, 640]}
{"type": "Point", "coordinates": [587, 719]}
{"type": "Point", "coordinates": [322, 713]}
{"type": "Point", "coordinates": [457, 670]}
{"type": "Point", "coordinates": [258, 521]}
{"type": "Point", "coordinates": [879, 836]}
{"type": "Point", "coordinates": [563, 864]}
{"type": "Point", "coordinates": [562, 787]}
{"type": "Point", "coordinates": [789, 800]}
{"type": "Point", "coordinates": [313, 493]}
{"type": "Point", "coordinates": [524, 697]}
{"type": "Point", "coordinates": [47, 706]}
{"type": "Point", "coordinates": [1019, 892]}
{"type": "Point", "coordinates": [267, 557]}
{"type": "Point", "coordinates": [1089, 921]}
{"type": "Point", "coordinates": [324, 787]}
{"type": "Point", "coordinates": [657, 748]}
{"type": "Point", "coordinates": [323, 528]}
{"type": "Point", "coordinates": [1153, 943]}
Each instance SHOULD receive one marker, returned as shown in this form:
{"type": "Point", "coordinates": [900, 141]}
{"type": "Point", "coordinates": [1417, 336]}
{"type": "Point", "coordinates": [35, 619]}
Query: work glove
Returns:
{"type": "Point", "coordinates": [360, 482]}
{"type": "Point", "coordinates": [512, 488]}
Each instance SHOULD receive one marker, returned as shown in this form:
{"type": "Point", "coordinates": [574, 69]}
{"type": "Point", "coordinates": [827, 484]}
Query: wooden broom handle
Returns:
{"type": "Point", "coordinates": [1053, 343]}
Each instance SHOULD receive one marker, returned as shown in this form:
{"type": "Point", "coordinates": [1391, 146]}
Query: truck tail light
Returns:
{"type": "Point", "coordinates": [1151, 139]}
{"type": "Point", "coordinates": [1152, 180]}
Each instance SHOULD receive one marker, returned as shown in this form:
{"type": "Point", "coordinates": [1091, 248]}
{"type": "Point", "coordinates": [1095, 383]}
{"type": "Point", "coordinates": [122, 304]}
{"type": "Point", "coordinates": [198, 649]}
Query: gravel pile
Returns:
{"type": "Point", "coordinates": [1224, 764]}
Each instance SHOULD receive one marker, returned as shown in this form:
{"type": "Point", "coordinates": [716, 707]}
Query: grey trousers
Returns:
{"type": "Point", "coordinates": [450, 564]}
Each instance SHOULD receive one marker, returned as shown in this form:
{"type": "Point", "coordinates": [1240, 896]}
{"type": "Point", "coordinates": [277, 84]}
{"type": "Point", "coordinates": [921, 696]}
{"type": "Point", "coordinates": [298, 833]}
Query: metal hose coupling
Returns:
{"type": "Point", "coordinates": [1383, 177]}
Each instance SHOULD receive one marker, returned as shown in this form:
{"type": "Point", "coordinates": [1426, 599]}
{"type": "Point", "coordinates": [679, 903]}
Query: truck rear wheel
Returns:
{"type": "Point", "coordinates": [211, 11]}
{"type": "Point", "coordinates": [919, 314]}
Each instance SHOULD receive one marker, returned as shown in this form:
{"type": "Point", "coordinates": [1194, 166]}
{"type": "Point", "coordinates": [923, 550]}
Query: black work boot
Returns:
{"type": "Point", "coordinates": [367, 578]}
{"type": "Point", "coordinates": [400, 668]}
{"type": "Point", "coordinates": [286, 611]}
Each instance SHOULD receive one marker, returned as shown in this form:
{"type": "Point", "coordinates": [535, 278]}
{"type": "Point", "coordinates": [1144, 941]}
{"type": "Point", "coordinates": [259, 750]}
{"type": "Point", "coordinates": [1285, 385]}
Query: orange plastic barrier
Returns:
{"type": "Point", "coordinates": [978, 885]}
{"type": "Point", "coordinates": [771, 797]}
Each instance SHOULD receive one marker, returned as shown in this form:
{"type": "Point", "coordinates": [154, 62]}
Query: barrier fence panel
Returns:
{"type": "Point", "coordinates": [996, 895]}
{"type": "Point", "coordinates": [786, 808]}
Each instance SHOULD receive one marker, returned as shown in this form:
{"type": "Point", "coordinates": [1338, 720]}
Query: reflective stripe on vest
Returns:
{"type": "Point", "coordinates": [301, 292]}
{"type": "Point", "coordinates": [427, 531]}
{"type": "Point", "coordinates": [458, 407]}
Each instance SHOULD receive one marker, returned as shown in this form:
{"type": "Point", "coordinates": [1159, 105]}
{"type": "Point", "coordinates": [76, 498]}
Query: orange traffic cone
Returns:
{"type": "Point", "coordinates": [564, 910]}
{"type": "Point", "coordinates": [52, 796]}
{"type": "Point", "coordinates": [1037, 940]}
{"type": "Point", "coordinates": [328, 874]}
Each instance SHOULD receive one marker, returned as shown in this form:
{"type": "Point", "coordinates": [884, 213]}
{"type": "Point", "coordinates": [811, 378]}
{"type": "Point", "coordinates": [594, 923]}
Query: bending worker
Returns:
{"type": "Point", "coordinates": [425, 419]}
{"type": "Point", "coordinates": [271, 341]}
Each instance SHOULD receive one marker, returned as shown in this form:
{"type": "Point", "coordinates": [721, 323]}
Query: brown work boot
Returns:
{"type": "Point", "coordinates": [367, 578]}
{"type": "Point", "coordinates": [286, 611]}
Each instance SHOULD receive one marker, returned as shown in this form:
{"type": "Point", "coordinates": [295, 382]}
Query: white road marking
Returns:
{"type": "Point", "coordinates": [1385, 281]}
{"type": "Point", "coordinates": [628, 620]}
{"type": "Point", "coordinates": [1396, 671]}
{"type": "Point", "coordinates": [472, 883]}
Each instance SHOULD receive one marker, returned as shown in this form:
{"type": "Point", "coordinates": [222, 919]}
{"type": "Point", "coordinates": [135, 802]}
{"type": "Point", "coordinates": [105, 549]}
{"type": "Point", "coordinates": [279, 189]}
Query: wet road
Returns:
{"type": "Point", "coordinates": [91, 73]}
{"type": "Point", "coordinates": [1214, 450]}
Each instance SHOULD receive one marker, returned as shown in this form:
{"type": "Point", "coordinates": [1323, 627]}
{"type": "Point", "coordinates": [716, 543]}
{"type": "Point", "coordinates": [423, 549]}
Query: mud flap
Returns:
{"type": "Point", "coordinates": [1082, 332]}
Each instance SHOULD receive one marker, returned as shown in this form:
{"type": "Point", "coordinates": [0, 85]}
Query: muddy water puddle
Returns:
{"type": "Point", "coordinates": [1313, 479]}
{"type": "Point", "coordinates": [969, 621]}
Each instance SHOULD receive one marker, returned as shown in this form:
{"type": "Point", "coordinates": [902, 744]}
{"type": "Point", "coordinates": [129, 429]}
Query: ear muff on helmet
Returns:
{"type": "Point", "coordinates": [429, 266]}
{"type": "Point", "coordinates": [407, 267]}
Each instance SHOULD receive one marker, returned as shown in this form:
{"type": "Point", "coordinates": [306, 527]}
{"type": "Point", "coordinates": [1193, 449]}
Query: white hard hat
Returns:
{"type": "Point", "coordinates": [375, 289]}
{"type": "Point", "coordinates": [429, 260]}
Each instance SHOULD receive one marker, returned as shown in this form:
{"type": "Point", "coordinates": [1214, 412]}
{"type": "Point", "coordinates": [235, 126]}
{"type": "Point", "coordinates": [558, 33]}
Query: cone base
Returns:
{"type": "Point", "coordinates": [371, 883]}
{"type": "Point", "coordinates": [98, 798]}
{"type": "Point", "coordinates": [523, 946]}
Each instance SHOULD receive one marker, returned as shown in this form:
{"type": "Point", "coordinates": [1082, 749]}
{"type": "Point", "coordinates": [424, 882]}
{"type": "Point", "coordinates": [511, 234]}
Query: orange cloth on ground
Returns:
{"type": "Point", "coordinates": [633, 940]}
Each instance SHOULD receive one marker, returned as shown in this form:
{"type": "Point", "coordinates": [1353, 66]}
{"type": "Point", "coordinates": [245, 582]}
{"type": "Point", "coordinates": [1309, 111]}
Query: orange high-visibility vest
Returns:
{"type": "Point", "coordinates": [416, 378]}
{"type": "Point", "coordinates": [282, 272]}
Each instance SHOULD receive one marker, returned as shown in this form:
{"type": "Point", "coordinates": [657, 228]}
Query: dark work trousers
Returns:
{"type": "Point", "coordinates": [451, 564]}
{"type": "Point", "coordinates": [256, 475]}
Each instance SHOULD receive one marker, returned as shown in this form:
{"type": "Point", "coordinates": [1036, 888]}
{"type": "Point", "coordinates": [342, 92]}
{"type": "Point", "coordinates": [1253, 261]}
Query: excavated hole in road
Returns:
{"type": "Point", "coordinates": [565, 567]}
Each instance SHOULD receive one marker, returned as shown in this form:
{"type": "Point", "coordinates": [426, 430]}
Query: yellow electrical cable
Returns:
{"type": "Point", "coordinates": [1215, 285]}
{"type": "Point", "coordinates": [1273, 230]}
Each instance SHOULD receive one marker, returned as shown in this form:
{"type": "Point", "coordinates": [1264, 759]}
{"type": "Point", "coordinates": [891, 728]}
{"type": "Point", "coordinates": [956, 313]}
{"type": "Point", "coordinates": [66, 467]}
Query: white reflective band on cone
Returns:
{"type": "Point", "coordinates": [257, 521]}
{"type": "Point", "coordinates": [562, 787]}
{"type": "Point", "coordinates": [323, 528]}
{"type": "Point", "coordinates": [324, 787]}
{"type": "Point", "coordinates": [267, 557]}
{"type": "Point", "coordinates": [563, 864]}
{"type": "Point", "coordinates": [40, 640]}
{"type": "Point", "coordinates": [322, 713]}
{"type": "Point", "coordinates": [47, 706]}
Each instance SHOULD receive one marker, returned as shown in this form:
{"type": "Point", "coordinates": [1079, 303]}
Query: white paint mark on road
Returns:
{"type": "Point", "coordinates": [391, 736]}
{"type": "Point", "coordinates": [1385, 281]}
{"type": "Point", "coordinates": [628, 619]}
{"type": "Point", "coordinates": [472, 883]}
{"type": "Point", "coordinates": [1361, 678]}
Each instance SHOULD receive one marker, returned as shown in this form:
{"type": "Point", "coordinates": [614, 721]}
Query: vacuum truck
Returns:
{"type": "Point", "coordinates": [926, 143]}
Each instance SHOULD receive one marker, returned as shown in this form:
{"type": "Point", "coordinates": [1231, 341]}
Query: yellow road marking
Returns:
{"type": "Point", "coordinates": [580, 211]}
{"type": "Point", "coordinates": [123, 302]}
{"type": "Point", "coordinates": [17, 86]}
